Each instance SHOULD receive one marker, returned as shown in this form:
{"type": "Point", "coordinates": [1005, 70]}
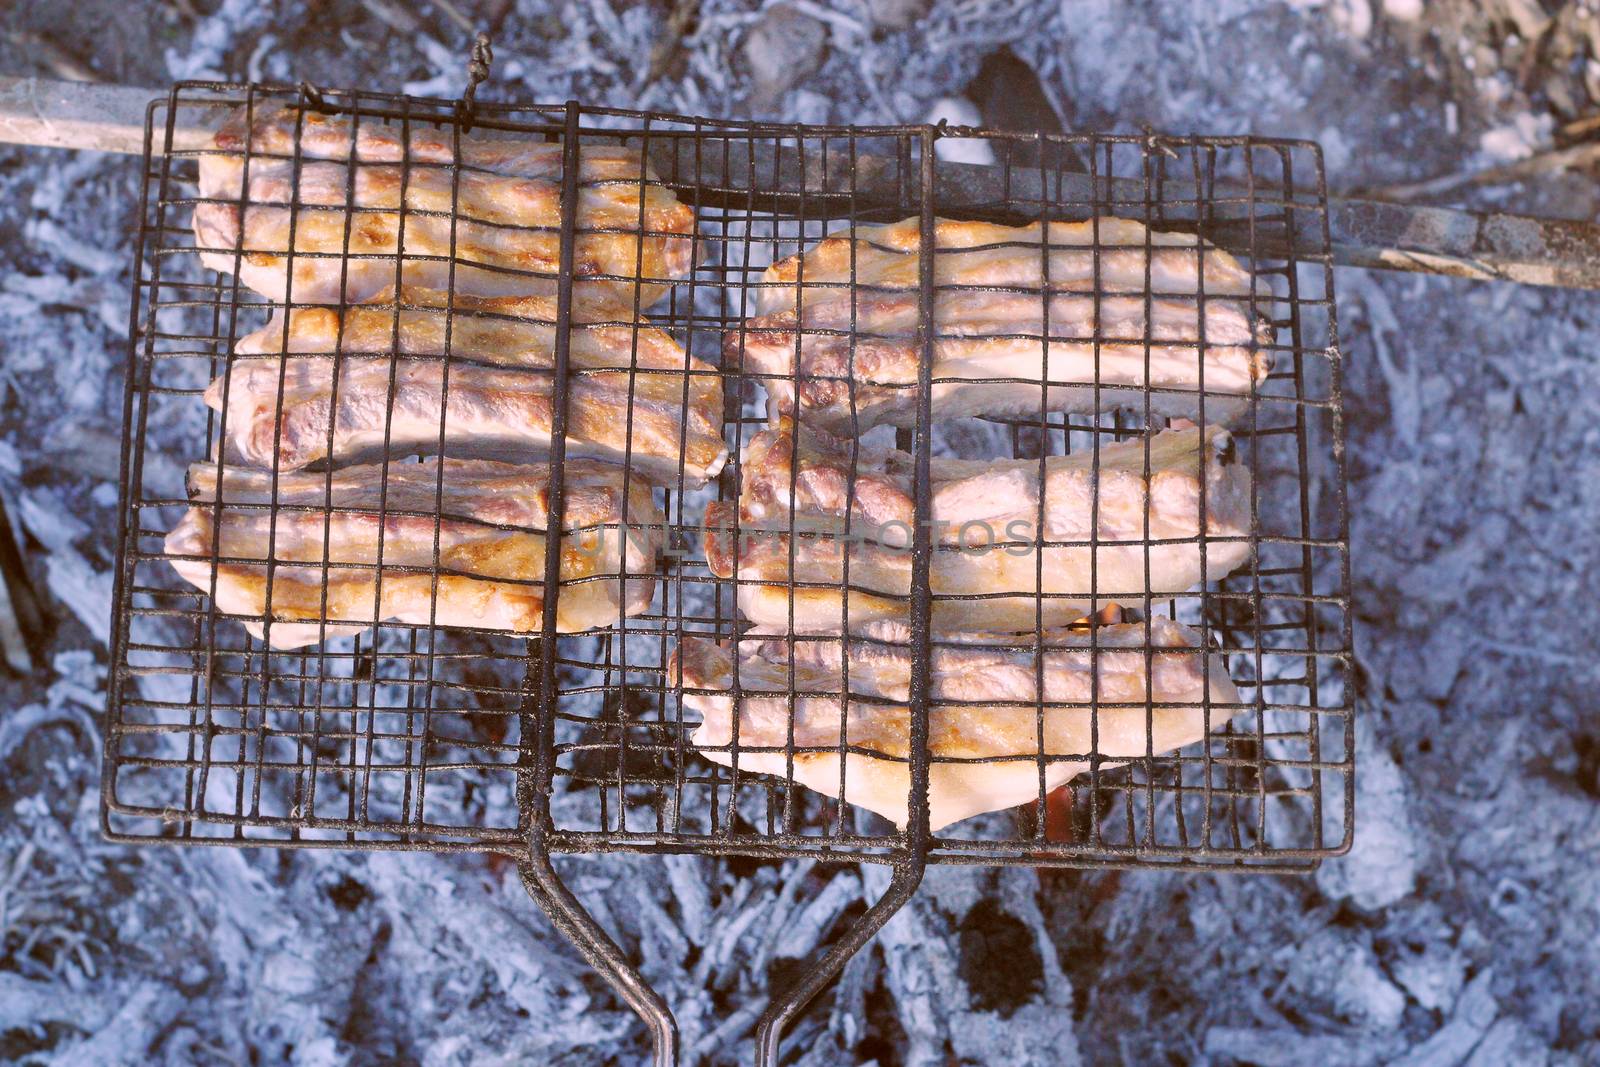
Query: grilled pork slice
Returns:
{"type": "Point", "coordinates": [985, 516]}
{"type": "Point", "coordinates": [490, 525]}
{"type": "Point", "coordinates": [983, 707]}
{"type": "Point", "coordinates": [498, 214]}
{"type": "Point", "coordinates": [634, 393]}
{"type": "Point", "coordinates": [857, 343]}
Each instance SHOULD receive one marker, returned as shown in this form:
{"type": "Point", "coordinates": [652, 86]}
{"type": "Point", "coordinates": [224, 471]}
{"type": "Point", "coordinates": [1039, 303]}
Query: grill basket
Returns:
{"type": "Point", "coordinates": [411, 737]}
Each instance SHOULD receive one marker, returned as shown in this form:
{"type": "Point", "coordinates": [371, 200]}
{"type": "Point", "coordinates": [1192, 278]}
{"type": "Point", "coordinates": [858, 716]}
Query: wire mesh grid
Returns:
{"type": "Point", "coordinates": [445, 727]}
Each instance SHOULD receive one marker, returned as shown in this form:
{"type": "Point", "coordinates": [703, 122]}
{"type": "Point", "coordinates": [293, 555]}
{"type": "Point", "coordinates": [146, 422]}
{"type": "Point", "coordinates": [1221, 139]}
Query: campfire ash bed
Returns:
{"type": "Point", "coordinates": [534, 744]}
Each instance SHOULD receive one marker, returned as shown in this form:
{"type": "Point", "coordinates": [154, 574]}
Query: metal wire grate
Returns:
{"type": "Point", "coordinates": [408, 735]}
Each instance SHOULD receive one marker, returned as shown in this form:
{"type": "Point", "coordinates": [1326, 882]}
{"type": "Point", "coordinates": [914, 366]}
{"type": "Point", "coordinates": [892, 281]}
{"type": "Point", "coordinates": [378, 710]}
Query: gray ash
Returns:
{"type": "Point", "coordinates": [1461, 929]}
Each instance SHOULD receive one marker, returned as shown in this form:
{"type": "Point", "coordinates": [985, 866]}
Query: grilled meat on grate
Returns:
{"type": "Point", "coordinates": [987, 534]}
{"type": "Point", "coordinates": [489, 522]}
{"type": "Point", "coordinates": [498, 214]}
{"type": "Point", "coordinates": [858, 350]}
{"type": "Point", "coordinates": [634, 392]}
{"type": "Point", "coordinates": [985, 697]}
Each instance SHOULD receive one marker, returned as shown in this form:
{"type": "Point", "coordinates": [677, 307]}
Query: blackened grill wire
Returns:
{"type": "Point", "coordinates": [798, 832]}
{"type": "Point", "coordinates": [129, 482]}
{"type": "Point", "coordinates": [544, 745]}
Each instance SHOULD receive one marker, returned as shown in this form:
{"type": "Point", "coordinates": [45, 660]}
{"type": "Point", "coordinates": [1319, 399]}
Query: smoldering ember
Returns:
{"type": "Point", "coordinates": [1462, 927]}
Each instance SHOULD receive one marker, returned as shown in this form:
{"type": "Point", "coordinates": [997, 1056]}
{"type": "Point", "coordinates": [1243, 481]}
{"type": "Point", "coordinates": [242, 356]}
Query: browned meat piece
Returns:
{"type": "Point", "coordinates": [490, 531]}
{"type": "Point", "coordinates": [499, 214]}
{"type": "Point", "coordinates": [984, 705]}
{"type": "Point", "coordinates": [975, 503]}
{"type": "Point", "coordinates": [662, 416]}
{"type": "Point", "coordinates": [989, 317]}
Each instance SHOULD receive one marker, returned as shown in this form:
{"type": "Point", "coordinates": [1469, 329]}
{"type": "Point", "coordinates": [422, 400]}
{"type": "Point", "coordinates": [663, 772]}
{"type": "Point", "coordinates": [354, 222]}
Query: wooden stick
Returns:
{"type": "Point", "coordinates": [1364, 233]}
{"type": "Point", "coordinates": [93, 117]}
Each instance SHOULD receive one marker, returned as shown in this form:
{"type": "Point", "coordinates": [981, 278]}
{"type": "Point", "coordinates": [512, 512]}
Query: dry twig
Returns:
{"type": "Point", "coordinates": [1538, 165]}
{"type": "Point", "coordinates": [396, 16]}
{"type": "Point", "coordinates": [669, 49]}
{"type": "Point", "coordinates": [1579, 130]}
{"type": "Point", "coordinates": [455, 15]}
{"type": "Point", "coordinates": [52, 56]}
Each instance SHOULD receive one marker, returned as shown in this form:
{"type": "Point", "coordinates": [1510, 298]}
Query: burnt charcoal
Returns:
{"type": "Point", "coordinates": [999, 961]}
{"type": "Point", "coordinates": [348, 894]}
{"type": "Point", "coordinates": [599, 754]}
{"type": "Point", "coordinates": [1009, 97]}
{"type": "Point", "coordinates": [371, 1000]}
{"type": "Point", "coordinates": [743, 866]}
{"type": "Point", "coordinates": [784, 971]}
{"type": "Point", "coordinates": [884, 1041]}
{"type": "Point", "coordinates": [36, 766]}
{"type": "Point", "coordinates": [1588, 772]}
{"type": "Point", "coordinates": [16, 1046]}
